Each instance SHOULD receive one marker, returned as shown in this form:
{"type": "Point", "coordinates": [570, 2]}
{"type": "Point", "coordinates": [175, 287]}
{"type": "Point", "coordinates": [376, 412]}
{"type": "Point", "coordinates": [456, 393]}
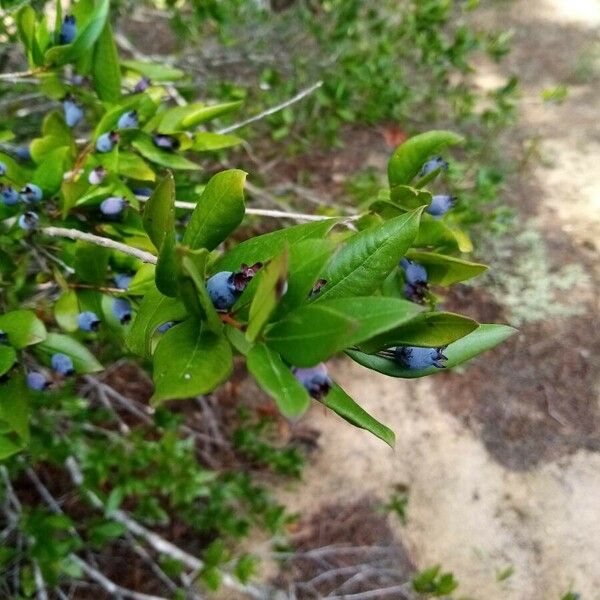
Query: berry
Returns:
{"type": "Point", "coordinates": [31, 193]}
{"type": "Point", "coordinates": [147, 192]}
{"type": "Point", "coordinates": [22, 152]}
{"type": "Point", "coordinates": [97, 175]}
{"type": "Point", "coordinates": [68, 30]}
{"type": "Point", "coordinates": [62, 364]}
{"type": "Point", "coordinates": [2, 169]}
{"type": "Point", "coordinates": [437, 162]}
{"type": "Point", "coordinates": [165, 326]}
{"type": "Point", "coordinates": [121, 308]}
{"type": "Point", "coordinates": [316, 380]}
{"type": "Point", "coordinates": [106, 142]}
{"type": "Point", "coordinates": [166, 142]}
{"type": "Point", "coordinates": [142, 85]}
{"type": "Point", "coordinates": [122, 281]}
{"type": "Point", "coordinates": [10, 196]}
{"type": "Point", "coordinates": [36, 381]}
{"type": "Point", "coordinates": [73, 112]}
{"type": "Point", "coordinates": [226, 287]}
{"type": "Point", "coordinates": [413, 357]}
{"type": "Point", "coordinates": [28, 220]}
{"type": "Point", "coordinates": [113, 206]}
{"type": "Point", "coordinates": [3, 337]}
{"type": "Point", "coordinates": [128, 120]}
{"type": "Point", "coordinates": [413, 272]}
{"type": "Point", "coordinates": [88, 321]}
{"type": "Point", "coordinates": [441, 204]}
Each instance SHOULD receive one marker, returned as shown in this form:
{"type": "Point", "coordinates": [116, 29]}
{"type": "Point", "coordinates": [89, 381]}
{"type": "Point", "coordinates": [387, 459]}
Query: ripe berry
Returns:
{"type": "Point", "coordinates": [36, 381]}
{"type": "Point", "coordinates": [73, 112]}
{"type": "Point", "coordinates": [3, 337]}
{"type": "Point", "coordinates": [31, 193]}
{"type": "Point", "coordinates": [106, 142]}
{"type": "Point", "coordinates": [88, 321]}
{"type": "Point", "coordinates": [10, 196]}
{"type": "Point", "coordinates": [113, 206]}
{"type": "Point", "coordinates": [315, 380]}
{"type": "Point", "coordinates": [142, 85]}
{"type": "Point", "coordinates": [121, 308]}
{"type": "Point", "coordinates": [437, 162]}
{"type": "Point", "coordinates": [68, 30]}
{"type": "Point", "coordinates": [97, 175]}
{"type": "Point", "coordinates": [413, 271]}
{"type": "Point", "coordinates": [62, 364]}
{"type": "Point", "coordinates": [226, 287]}
{"type": "Point", "coordinates": [147, 192]}
{"type": "Point", "coordinates": [2, 169]}
{"type": "Point", "coordinates": [166, 142]}
{"type": "Point", "coordinates": [440, 205]}
{"type": "Point", "coordinates": [128, 120]}
{"type": "Point", "coordinates": [413, 357]}
{"type": "Point", "coordinates": [122, 281]}
{"type": "Point", "coordinates": [165, 326]}
{"type": "Point", "coordinates": [28, 220]}
{"type": "Point", "coordinates": [22, 152]}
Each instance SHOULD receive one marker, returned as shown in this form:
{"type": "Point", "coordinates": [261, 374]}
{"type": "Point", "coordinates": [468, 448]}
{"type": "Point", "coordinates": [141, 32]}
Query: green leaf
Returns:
{"type": "Point", "coordinates": [339, 402]}
{"type": "Point", "coordinates": [154, 310]}
{"type": "Point", "coordinates": [263, 247]}
{"type": "Point", "coordinates": [483, 338]}
{"type": "Point", "coordinates": [363, 263]}
{"type": "Point", "coordinates": [409, 197]}
{"type": "Point", "coordinates": [186, 117]}
{"type": "Point", "coordinates": [159, 211]}
{"type": "Point", "coordinates": [167, 267]}
{"type": "Point", "coordinates": [14, 407]}
{"type": "Point", "coordinates": [49, 173]}
{"type": "Point", "coordinates": [25, 22]}
{"type": "Point", "coordinates": [206, 141]}
{"type": "Point", "coordinates": [430, 330]}
{"type": "Point", "coordinates": [310, 334]}
{"type": "Point", "coordinates": [276, 379]}
{"type": "Point", "coordinates": [8, 357]}
{"type": "Point", "coordinates": [66, 311]}
{"type": "Point", "coordinates": [83, 360]}
{"type": "Point", "coordinates": [106, 71]}
{"type": "Point", "coordinates": [155, 71]}
{"type": "Point", "coordinates": [190, 360]}
{"type": "Point", "coordinates": [145, 146]}
{"type": "Point", "coordinates": [446, 270]}
{"type": "Point", "coordinates": [143, 281]}
{"type": "Point", "coordinates": [23, 328]}
{"type": "Point", "coordinates": [410, 156]}
{"type": "Point", "coordinates": [91, 262]}
{"type": "Point", "coordinates": [60, 55]}
{"type": "Point", "coordinates": [270, 288]}
{"type": "Point", "coordinates": [220, 209]}
{"type": "Point", "coordinates": [134, 166]}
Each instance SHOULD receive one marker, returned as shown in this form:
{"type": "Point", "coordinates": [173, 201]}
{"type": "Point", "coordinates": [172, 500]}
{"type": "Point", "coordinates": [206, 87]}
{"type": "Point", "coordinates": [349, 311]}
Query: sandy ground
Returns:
{"type": "Point", "coordinates": [467, 510]}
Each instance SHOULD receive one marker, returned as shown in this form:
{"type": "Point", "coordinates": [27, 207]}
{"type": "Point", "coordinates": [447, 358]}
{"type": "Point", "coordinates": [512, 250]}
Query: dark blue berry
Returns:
{"type": "Point", "coordinates": [165, 326]}
{"type": "Point", "coordinates": [97, 175]}
{"type": "Point", "coordinates": [142, 85]}
{"type": "Point", "coordinates": [10, 196]}
{"type": "Point", "coordinates": [22, 152]}
{"type": "Point", "coordinates": [3, 337]}
{"type": "Point", "coordinates": [2, 169]}
{"type": "Point", "coordinates": [113, 206]}
{"type": "Point", "coordinates": [62, 364]}
{"type": "Point", "coordinates": [68, 30]}
{"type": "Point", "coordinates": [437, 162]}
{"type": "Point", "coordinates": [146, 192]}
{"type": "Point", "coordinates": [31, 193]}
{"type": "Point", "coordinates": [166, 142]}
{"type": "Point", "coordinates": [36, 381]}
{"type": "Point", "coordinates": [106, 142]}
{"type": "Point", "coordinates": [121, 308]}
{"type": "Point", "coordinates": [73, 112]}
{"type": "Point", "coordinates": [414, 357]}
{"type": "Point", "coordinates": [316, 380]}
{"type": "Point", "coordinates": [128, 120]}
{"type": "Point", "coordinates": [413, 271]}
{"type": "Point", "coordinates": [28, 220]}
{"type": "Point", "coordinates": [222, 291]}
{"type": "Point", "coordinates": [441, 204]}
{"type": "Point", "coordinates": [122, 281]}
{"type": "Point", "coordinates": [88, 321]}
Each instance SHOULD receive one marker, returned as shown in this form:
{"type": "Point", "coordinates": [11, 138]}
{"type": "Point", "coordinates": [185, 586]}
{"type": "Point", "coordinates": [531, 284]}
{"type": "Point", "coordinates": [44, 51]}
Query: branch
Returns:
{"type": "Point", "coordinates": [269, 111]}
{"type": "Point", "coordinates": [75, 234]}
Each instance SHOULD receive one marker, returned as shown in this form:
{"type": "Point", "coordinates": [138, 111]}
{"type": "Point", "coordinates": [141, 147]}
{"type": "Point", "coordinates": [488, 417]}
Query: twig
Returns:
{"type": "Point", "coordinates": [40, 585]}
{"type": "Point", "coordinates": [18, 77]}
{"type": "Point", "coordinates": [405, 589]}
{"type": "Point", "coordinates": [75, 234]}
{"type": "Point", "coordinates": [269, 111]}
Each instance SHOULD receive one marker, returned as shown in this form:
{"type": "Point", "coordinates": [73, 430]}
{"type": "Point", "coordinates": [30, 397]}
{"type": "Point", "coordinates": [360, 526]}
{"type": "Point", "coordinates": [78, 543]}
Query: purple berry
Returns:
{"type": "Point", "coordinates": [441, 204]}
{"type": "Point", "coordinates": [28, 220]}
{"type": "Point", "coordinates": [73, 112]}
{"type": "Point", "coordinates": [113, 206]}
{"type": "Point", "coordinates": [88, 321]}
{"type": "Point", "coordinates": [121, 308]}
{"type": "Point", "coordinates": [68, 30]}
{"type": "Point", "coordinates": [165, 326]}
{"type": "Point", "coordinates": [10, 196]}
{"type": "Point", "coordinates": [414, 357]}
{"type": "Point", "coordinates": [36, 381]}
{"type": "Point", "coordinates": [106, 142]}
{"type": "Point", "coordinates": [97, 175]}
{"type": "Point", "coordinates": [31, 193]}
{"type": "Point", "coordinates": [316, 380]}
{"type": "Point", "coordinates": [166, 142]}
{"type": "Point", "coordinates": [62, 364]}
{"type": "Point", "coordinates": [437, 162]}
{"type": "Point", "coordinates": [122, 281]}
{"type": "Point", "coordinates": [2, 169]}
{"type": "Point", "coordinates": [142, 85]}
{"type": "Point", "coordinates": [128, 120]}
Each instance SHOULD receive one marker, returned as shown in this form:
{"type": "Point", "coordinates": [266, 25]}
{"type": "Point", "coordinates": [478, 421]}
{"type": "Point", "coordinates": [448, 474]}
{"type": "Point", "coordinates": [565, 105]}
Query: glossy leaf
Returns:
{"type": "Point", "coordinates": [145, 146]}
{"type": "Point", "coordinates": [482, 339]}
{"type": "Point", "coordinates": [446, 270]}
{"type": "Point", "coordinates": [8, 357]}
{"type": "Point", "coordinates": [91, 262]}
{"type": "Point", "coordinates": [277, 380]}
{"type": "Point", "coordinates": [159, 211]}
{"type": "Point", "coordinates": [186, 117]}
{"type": "Point", "coordinates": [188, 361]}
{"type": "Point", "coordinates": [66, 311]}
{"type": "Point", "coordinates": [134, 166]}
{"type": "Point", "coordinates": [22, 327]}
{"type": "Point", "coordinates": [106, 70]}
{"type": "Point", "coordinates": [154, 71]}
{"type": "Point", "coordinates": [83, 360]}
{"type": "Point", "coordinates": [207, 141]}
{"type": "Point", "coordinates": [14, 407]}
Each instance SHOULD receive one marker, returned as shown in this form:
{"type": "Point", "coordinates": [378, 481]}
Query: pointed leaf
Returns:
{"type": "Point", "coordinates": [159, 211]}
{"type": "Point", "coordinates": [8, 357]}
{"type": "Point", "coordinates": [83, 360]}
{"type": "Point", "coordinates": [446, 270]}
{"type": "Point", "coordinates": [106, 70]}
{"type": "Point", "coordinates": [23, 328]}
{"type": "Point", "coordinates": [145, 146]}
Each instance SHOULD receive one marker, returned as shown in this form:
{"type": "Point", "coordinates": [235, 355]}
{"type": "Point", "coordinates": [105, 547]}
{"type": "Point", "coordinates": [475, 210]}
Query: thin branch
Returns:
{"type": "Point", "coordinates": [405, 589]}
{"type": "Point", "coordinates": [75, 234]}
{"type": "Point", "coordinates": [269, 111]}
{"type": "Point", "coordinates": [40, 585]}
